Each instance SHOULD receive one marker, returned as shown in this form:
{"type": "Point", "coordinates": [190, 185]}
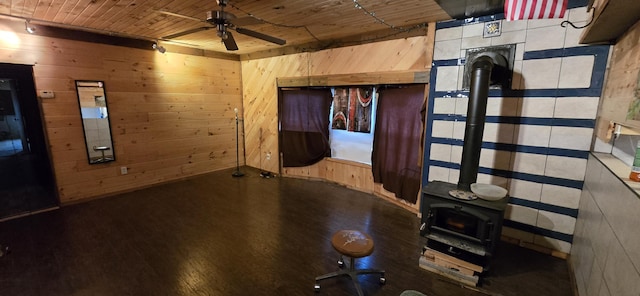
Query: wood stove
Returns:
{"type": "Point", "coordinates": [454, 220]}
{"type": "Point", "coordinates": [465, 229]}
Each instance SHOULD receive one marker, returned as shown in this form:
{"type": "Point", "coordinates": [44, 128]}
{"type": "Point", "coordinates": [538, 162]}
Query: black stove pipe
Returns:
{"type": "Point", "coordinates": [481, 79]}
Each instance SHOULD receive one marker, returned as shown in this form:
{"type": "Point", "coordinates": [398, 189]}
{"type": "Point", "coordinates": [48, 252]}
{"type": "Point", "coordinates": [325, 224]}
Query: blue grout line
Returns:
{"type": "Point", "coordinates": [543, 206]}
{"type": "Point", "coordinates": [513, 175]}
{"type": "Point", "coordinates": [537, 230]}
{"type": "Point", "coordinates": [582, 154]}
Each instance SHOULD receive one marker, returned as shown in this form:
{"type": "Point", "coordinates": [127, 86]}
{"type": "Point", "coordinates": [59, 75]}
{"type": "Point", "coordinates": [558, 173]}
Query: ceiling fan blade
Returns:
{"type": "Point", "coordinates": [245, 21]}
{"type": "Point", "coordinates": [180, 43]}
{"type": "Point", "coordinates": [230, 43]}
{"type": "Point", "coordinates": [261, 36]}
{"type": "Point", "coordinates": [187, 32]}
{"type": "Point", "coordinates": [179, 15]}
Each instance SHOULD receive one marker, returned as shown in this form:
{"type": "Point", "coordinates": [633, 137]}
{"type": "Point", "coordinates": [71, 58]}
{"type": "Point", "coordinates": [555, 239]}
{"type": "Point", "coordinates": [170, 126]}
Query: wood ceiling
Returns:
{"type": "Point", "coordinates": [318, 23]}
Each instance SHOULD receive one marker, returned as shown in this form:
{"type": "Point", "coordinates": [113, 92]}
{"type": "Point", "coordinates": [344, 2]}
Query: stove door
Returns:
{"type": "Point", "coordinates": [458, 221]}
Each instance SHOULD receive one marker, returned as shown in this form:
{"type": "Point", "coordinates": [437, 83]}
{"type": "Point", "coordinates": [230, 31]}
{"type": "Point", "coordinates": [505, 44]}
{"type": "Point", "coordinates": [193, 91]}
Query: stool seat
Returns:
{"type": "Point", "coordinates": [101, 149]}
{"type": "Point", "coordinates": [352, 243]}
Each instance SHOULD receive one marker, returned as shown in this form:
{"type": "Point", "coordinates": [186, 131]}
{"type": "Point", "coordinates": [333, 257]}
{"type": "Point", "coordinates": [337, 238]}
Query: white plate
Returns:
{"type": "Point", "coordinates": [488, 191]}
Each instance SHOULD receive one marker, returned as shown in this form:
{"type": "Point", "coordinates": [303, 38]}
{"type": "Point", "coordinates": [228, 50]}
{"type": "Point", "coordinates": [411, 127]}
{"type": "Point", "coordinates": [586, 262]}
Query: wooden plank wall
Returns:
{"type": "Point", "coordinates": [260, 101]}
{"type": "Point", "coordinates": [172, 115]}
{"type": "Point", "coordinates": [621, 87]}
{"type": "Point", "coordinates": [260, 97]}
{"type": "Point", "coordinates": [350, 174]}
{"type": "Point", "coordinates": [387, 56]}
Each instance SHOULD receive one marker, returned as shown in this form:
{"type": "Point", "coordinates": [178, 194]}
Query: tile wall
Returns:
{"type": "Point", "coordinates": [537, 134]}
{"type": "Point", "coordinates": [606, 253]}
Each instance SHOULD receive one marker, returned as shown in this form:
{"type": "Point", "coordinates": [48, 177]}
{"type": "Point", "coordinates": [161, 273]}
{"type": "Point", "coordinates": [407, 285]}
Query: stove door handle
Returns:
{"type": "Point", "coordinates": [489, 231]}
{"type": "Point", "coordinates": [429, 219]}
{"type": "Point", "coordinates": [452, 251]}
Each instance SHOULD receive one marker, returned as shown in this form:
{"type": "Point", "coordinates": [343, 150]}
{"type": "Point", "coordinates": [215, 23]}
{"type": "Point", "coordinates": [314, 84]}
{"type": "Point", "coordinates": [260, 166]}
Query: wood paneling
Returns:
{"type": "Point", "coordinates": [353, 175]}
{"type": "Point", "coordinates": [620, 89]}
{"type": "Point", "coordinates": [171, 114]}
{"type": "Point", "coordinates": [350, 174]}
{"type": "Point", "coordinates": [386, 56]}
{"type": "Point", "coordinates": [260, 97]}
{"type": "Point", "coordinates": [260, 76]}
{"type": "Point", "coordinates": [611, 19]}
{"type": "Point", "coordinates": [324, 23]}
{"type": "Point", "coordinates": [260, 101]}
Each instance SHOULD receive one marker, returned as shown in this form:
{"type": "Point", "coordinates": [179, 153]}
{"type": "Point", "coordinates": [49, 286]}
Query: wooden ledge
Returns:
{"type": "Point", "coordinates": [372, 78]}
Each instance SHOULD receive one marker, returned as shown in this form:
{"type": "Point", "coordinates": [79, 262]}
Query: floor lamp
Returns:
{"type": "Point", "coordinates": [237, 173]}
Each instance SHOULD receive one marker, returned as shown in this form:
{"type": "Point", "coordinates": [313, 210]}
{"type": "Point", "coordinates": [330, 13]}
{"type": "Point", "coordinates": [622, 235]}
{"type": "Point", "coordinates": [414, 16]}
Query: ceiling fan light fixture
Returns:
{"type": "Point", "coordinates": [223, 35]}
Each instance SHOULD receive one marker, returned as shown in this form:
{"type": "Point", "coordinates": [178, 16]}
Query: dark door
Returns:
{"type": "Point", "coordinates": [26, 177]}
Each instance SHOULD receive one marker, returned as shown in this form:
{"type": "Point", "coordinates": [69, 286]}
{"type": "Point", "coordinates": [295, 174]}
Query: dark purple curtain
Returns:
{"type": "Point", "coordinates": [396, 141]}
{"type": "Point", "coordinates": [304, 126]}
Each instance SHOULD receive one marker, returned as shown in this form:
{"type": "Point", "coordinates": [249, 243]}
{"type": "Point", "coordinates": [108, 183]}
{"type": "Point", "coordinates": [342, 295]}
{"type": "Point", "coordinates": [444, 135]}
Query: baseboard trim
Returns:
{"type": "Point", "coordinates": [537, 248]}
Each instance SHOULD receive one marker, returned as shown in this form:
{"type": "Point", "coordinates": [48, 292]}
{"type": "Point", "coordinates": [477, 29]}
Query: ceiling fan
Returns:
{"type": "Point", "coordinates": [223, 22]}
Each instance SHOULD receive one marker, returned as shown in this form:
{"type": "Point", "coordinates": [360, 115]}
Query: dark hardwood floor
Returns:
{"type": "Point", "coordinates": [219, 235]}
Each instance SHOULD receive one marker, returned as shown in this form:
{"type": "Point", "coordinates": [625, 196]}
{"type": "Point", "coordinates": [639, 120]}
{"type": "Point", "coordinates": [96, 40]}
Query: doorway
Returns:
{"type": "Point", "coordinates": [26, 178]}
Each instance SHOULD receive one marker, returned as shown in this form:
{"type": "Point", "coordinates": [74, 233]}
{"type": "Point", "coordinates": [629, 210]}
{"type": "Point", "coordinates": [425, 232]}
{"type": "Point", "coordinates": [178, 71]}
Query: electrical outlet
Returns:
{"type": "Point", "coordinates": [123, 170]}
{"type": "Point", "coordinates": [268, 155]}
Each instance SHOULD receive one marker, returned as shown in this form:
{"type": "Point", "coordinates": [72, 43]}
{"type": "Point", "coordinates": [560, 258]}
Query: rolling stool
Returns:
{"type": "Point", "coordinates": [101, 149]}
{"type": "Point", "coordinates": [353, 244]}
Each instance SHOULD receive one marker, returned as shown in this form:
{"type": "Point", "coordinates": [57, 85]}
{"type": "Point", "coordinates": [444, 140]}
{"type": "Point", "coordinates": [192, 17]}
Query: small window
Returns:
{"type": "Point", "coordinates": [352, 121]}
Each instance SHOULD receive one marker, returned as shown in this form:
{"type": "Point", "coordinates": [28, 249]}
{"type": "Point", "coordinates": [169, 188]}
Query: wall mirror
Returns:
{"type": "Point", "coordinates": [94, 110]}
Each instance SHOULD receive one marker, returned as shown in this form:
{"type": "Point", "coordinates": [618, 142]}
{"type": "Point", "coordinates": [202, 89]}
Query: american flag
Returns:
{"type": "Point", "coordinates": [534, 9]}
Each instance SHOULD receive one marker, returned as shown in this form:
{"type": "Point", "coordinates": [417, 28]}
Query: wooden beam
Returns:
{"type": "Point", "coordinates": [400, 77]}
{"type": "Point", "coordinates": [200, 52]}
{"type": "Point", "coordinates": [111, 39]}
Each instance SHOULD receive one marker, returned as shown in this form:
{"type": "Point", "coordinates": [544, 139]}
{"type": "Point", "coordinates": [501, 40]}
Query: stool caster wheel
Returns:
{"type": "Point", "coordinates": [383, 280]}
{"type": "Point", "coordinates": [340, 263]}
{"type": "Point", "coordinates": [316, 288]}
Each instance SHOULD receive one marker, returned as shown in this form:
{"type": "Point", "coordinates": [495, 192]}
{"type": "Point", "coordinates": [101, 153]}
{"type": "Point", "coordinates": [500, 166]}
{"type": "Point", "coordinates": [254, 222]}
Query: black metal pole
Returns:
{"type": "Point", "coordinates": [237, 173]}
{"type": "Point", "coordinates": [476, 114]}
